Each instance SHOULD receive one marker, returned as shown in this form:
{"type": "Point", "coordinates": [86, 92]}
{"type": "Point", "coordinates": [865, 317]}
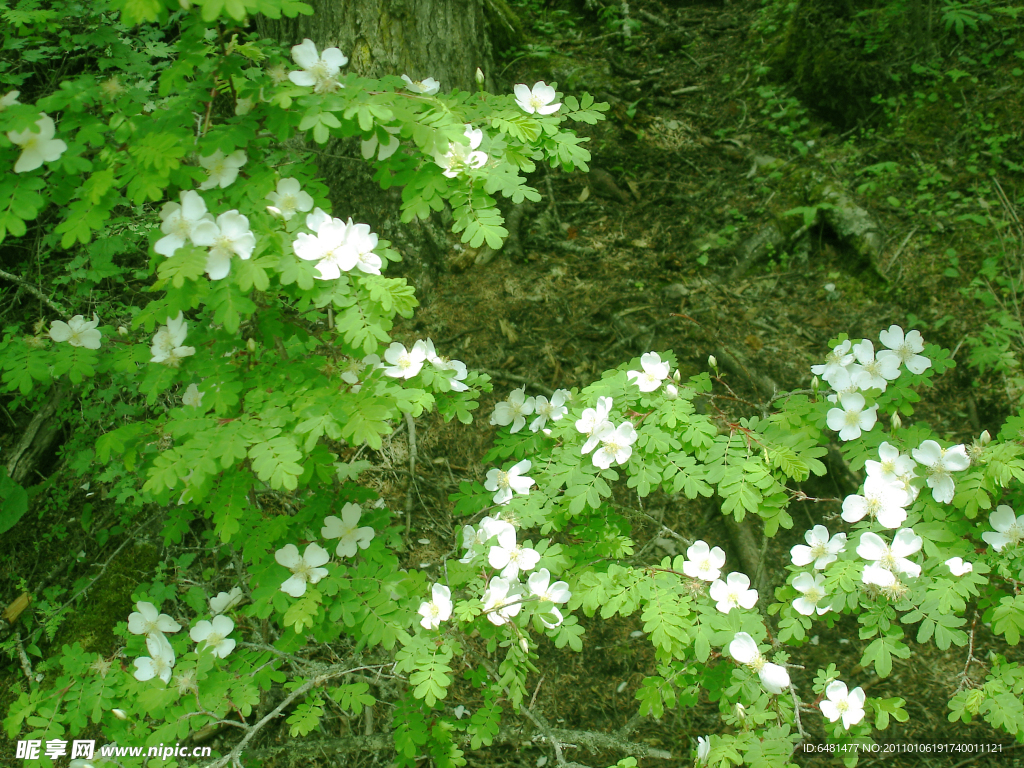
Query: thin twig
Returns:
{"type": "Point", "coordinates": [26, 665]}
{"type": "Point", "coordinates": [796, 712]}
{"type": "Point", "coordinates": [518, 380]}
{"type": "Point", "coordinates": [234, 754]}
{"type": "Point", "coordinates": [35, 291]}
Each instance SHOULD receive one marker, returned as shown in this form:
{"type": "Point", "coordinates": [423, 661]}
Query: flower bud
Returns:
{"type": "Point", "coordinates": [122, 330]}
{"type": "Point", "coordinates": [897, 422]}
{"type": "Point", "coordinates": [815, 385]}
{"type": "Point", "coordinates": [985, 438]}
{"type": "Point", "coordinates": [741, 711]}
{"type": "Point", "coordinates": [713, 362]}
{"type": "Point", "coordinates": [523, 642]}
{"type": "Point", "coordinates": [479, 76]}
{"type": "Point", "coordinates": [120, 714]}
{"type": "Point", "coordinates": [677, 376]}
{"type": "Point", "coordinates": [251, 345]}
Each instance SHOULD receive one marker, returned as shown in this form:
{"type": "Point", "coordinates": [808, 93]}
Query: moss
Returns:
{"type": "Point", "coordinates": [507, 29]}
{"type": "Point", "coordinates": [837, 54]}
{"type": "Point", "coordinates": [109, 601]}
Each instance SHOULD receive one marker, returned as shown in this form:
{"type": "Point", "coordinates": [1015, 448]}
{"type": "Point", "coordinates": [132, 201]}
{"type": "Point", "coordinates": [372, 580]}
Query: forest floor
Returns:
{"type": "Point", "coordinates": [636, 256]}
{"type": "Point", "coordinates": [612, 268]}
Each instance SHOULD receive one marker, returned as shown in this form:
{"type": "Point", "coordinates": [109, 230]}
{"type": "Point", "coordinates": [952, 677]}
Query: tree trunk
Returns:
{"type": "Point", "coordinates": [444, 39]}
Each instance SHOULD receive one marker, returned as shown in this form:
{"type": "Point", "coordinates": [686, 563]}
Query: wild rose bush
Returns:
{"type": "Point", "coordinates": [266, 351]}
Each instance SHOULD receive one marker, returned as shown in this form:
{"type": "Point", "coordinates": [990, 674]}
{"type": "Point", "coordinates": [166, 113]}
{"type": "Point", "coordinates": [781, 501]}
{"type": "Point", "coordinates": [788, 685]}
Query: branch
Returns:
{"type": "Point", "coordinates": [234, 754]}
{"type": "Point", "coordinates": [36, 292]}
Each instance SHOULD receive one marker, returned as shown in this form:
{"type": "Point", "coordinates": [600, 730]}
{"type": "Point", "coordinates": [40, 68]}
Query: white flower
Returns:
{"type": "Point", "coordinates": [842, 384]}
{"type": "Point", "coordinates": [905, 348]}
{"type": "Point", "coordinates": [329, 247]}
{"type": "Point", "coordinates": [839, 703]}
{"type": "Point", "coordinates": [305, 569]}
{"type": "Point", "coordinates": [362, 241]}
{"type": "Point", "coordinates": [537, 99]}
{"type": "Point", "coordinates": [507, 483]}
{"type": "Point", "coordinates": [511, 557]}
{"type": "Point", "coordinates": [37, 146]}
{"type": "Point", "coordinates": [498, 598]}
{"type": "Point", "coordinates": [835, 361]}
{"type": "Point", "coordinates": [958, 567]}
{"type": "Point", "coordinates": [1008, 529]}
{"type": "Point", "coordinates": [477, 537]}
{"type": "Point", "coordinates": [702, 562]}
{"type": "Point", "coordinates": [148, 621]}
{"type": "Point", "coordinates": [317, 219]}
{"type": "Point", "coordinates": [160, 661]}
{"type": "Point", "coordinates": [820, 548]}
{"type": "Point", "coordinates": [592, 420]}
{"type": "Point", "coordinates": [882, 501]}
{"type": "Point", "coordinates": [168, 340]}
{"type": "Point", "coordinates": [940, 463]}
{"type": "Point", "coordinates": [192, 397]}
{"type": "Point", "coordinates": [812, 587]}
{"type": "Point", "coordinates": [734, 592]}
{"type": "Point", "coordinates": [427, 87]}
{"type": "Point", "coordinates": [461, 157]}
{"type": "Point", "coordinates": [893, 467]}
{"type": "Point", "coordinates": [616, 444]}
{"type": "Point", "coordinates": [319, 71]}
{"type": "Point", "coordinates": [456, 383]}
{"type": "Point", "coordinates": [873, 372]}
{"type": "Point", "coordinates": [352, 537]}
{"type": "Point", "coordinates": [541, 587]}
{"type": "Point", "coordinates": [229, 235]}
{"type": "Point", "coordinates": [225, 601]}
{"type": "Point", "coordinates": [852, 418]}
{"type": "Point", "coordinates": [215, 634]}
{"type": "Point", "coordinates": [222, 169]}
{"type": "Point", "coordinates": [513, 410]}
{"type": "Point", "coordinates": [78, 332]}
{"type": "Point", "coordinates": [774, 678]}
{"type": "Point", "coordinates": [879, 576]}
{"type": "Point", "coordinates": [404, 363]}
{"type": "Point", "coordinates": [9, 100]}
{"type": "Point", "coordinates": [553, 409]}
{"type": "Point", "coordinates": [892, 557]}
{"type": "Point", "coordinates": [654, 372]}
{"type": "Point", "coordinates": [703, 749]}
{"type": "Point", "coordinates": [289, 198]}
{"type": "Point", "coordinates": [372, 146]}
{"type": "Point", "coordinates": [438, 609]}
{"type": "Point", "coordinates": [180, 221]}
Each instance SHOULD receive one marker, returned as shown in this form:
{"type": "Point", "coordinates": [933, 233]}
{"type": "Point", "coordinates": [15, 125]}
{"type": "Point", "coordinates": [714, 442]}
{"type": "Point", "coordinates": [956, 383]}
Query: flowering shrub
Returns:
{"type": "Point", "coordinates": [266, 351]}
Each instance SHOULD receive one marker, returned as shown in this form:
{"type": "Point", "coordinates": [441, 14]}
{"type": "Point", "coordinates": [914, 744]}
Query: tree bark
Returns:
{"type": "Point", "coordinates": [37, 439]}
{"type": "Point", "coordinates": [443, 39]}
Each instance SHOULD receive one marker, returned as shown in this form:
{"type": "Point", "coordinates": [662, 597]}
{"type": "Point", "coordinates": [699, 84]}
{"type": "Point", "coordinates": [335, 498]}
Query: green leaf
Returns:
{"type": "Point", "coordinates": [138, 11]}
{"type": "Point", "coordinates": [13, 501]}
{"type": "Point", "coordinates": [1008, 618]}
{"type": "Point", "coordinates": [187, 263]}
{"type": "Point", "coordinates": [277, 461]}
